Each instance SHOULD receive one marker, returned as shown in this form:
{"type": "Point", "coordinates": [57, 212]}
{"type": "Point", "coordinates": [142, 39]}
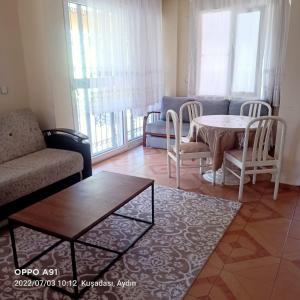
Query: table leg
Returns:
{"type": "Point", "coordinates": [13, 244]}
{"type": "Point", "coordinates": [152, 200]}
{"type": "Point", "coordinates": [74, 270]}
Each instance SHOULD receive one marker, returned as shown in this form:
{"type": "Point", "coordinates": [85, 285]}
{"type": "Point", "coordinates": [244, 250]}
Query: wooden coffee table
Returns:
{"type": "Point", "coordinates": [72, 212]}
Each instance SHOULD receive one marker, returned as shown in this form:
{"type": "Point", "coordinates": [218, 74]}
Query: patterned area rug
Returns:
{"type": "Point", "coordinates": [161, 265]}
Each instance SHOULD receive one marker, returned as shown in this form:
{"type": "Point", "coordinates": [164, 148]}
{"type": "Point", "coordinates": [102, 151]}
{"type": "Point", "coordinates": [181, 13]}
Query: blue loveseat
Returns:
{"type": "Point", "coordinates": [154, 134]}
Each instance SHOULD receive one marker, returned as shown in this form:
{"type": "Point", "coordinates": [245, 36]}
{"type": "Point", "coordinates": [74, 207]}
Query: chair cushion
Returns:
{"type": "Point", "coordinates": [238, 154]}
{"type": "Point", "coordinates": [192, 147]}
{"type": "Point", "coordinates": [159, 127]}
{"type": "Point", "coordinates": [20, 134]}
{"type": "Point", "coordinates": [235, 108]}
{"type": "Point", "coordinates": [29, 173]}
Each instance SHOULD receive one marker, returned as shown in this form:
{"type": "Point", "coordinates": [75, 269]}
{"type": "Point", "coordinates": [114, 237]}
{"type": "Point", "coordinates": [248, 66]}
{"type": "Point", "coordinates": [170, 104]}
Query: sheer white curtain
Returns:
{"type": "Point", "coordinates": [124, 50]}
{"type": "Point", "coordinates": [244, 47]}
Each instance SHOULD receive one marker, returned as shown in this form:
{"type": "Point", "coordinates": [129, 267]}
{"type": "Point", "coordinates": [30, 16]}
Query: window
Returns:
{"type": "Point", "coordinates": [229, 61]}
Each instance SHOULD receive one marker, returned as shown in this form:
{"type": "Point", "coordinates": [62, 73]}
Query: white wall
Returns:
{"type": "Point", "coordinates": [12, 70]}
{"type": "Point", "coordinates": [44, 43]}
{"type": "Point", "coordinates": [182, 58]}
{"type": "Point", "coordinates": [175, 22]}
{"type": "Point", "coordinates": [290, 100]}
{"type": "Point", "coordinates": [170, 26]}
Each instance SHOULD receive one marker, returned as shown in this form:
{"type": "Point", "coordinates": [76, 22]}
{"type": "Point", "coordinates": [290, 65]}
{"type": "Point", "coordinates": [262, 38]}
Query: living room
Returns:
{"type": "Point", "coordinates": [149, 149]}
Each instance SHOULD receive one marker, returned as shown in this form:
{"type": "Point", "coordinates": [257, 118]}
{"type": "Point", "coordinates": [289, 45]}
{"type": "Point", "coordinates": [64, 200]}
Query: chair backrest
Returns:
{"type": "Point", "coordinates": [255, 108]}
{"type": "Point", "coordinates": [262, 138]}
{"type": "Point", "coordinates": [194, 108]}
{"type": "Point", "coordinates": [172, 118]}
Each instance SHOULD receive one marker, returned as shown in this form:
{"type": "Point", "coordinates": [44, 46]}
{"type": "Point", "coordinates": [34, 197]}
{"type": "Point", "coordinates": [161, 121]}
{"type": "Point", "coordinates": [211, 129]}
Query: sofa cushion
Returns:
{"type": "Point", "coordinates": [210, 106]}
{"type": "Point", "coordinates": [159, 127]}
{"type": "Point", "coordinates": [214, 106]}
{"type": "Point", "coordinates": [19, 135]}
{"type": "Point", "coordinates": [29, 173]}
{"type": "Point", "coordinates": [173, 103]}
{"type": "Point", "coordinates": [235, 107]}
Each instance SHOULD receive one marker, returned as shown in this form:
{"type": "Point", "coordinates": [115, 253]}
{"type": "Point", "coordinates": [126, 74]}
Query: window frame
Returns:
{"type": "Point", "coordinates": [231, 57]}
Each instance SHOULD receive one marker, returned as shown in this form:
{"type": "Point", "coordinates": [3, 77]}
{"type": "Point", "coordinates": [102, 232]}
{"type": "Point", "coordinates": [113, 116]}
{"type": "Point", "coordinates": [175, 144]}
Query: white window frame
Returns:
{"type": "Point", "coordinates": [229, 90]}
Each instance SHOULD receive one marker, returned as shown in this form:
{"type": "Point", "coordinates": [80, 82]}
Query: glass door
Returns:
{"type": "Point", "coordinates": [107, 131]}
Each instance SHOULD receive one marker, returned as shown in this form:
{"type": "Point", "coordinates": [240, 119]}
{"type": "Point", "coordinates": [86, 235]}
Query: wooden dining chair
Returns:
{"type": "Point", "coordinates": [181, 151]}
{"type": "Point", "coordinates": [255, 159]}
{"type": "Point", "coordinates": [194, 109]}
{"type": "Point", "coordinates": [255, 108]}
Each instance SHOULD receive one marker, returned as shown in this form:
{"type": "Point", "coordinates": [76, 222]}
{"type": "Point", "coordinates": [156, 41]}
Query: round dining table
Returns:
{"type": "Point", "coordinates": [221, 133]}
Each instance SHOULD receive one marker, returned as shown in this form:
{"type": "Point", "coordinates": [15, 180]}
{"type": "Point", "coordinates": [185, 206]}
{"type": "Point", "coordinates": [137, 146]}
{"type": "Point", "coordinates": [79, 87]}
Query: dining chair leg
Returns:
{"type": "Point", "coordinates": [254, 176]}
{"type": "Point", "coordinates": [178, 173]}
{"type": "Point", "coordinates": [214, 178]}
{"type": "Point", "coordinates": [201, 166]}
{"type": "Point", "coordinates": [223, 171]}
{"type": "Point", "coordinates": [169, 166]}
{"type": "Point", "coordinates": [241, 188]}
{"type": "Point", "coordinates": [276, 188]}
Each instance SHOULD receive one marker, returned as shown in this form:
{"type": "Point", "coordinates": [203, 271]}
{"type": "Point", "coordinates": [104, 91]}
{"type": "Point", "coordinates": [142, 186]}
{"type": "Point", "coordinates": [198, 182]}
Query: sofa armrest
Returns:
{"type": "Point", "coordinates": [73, 133]}
{"type": "Point", "coordinates": [145, 121]}
{"type": "Point", "coordinates": [69, 139]}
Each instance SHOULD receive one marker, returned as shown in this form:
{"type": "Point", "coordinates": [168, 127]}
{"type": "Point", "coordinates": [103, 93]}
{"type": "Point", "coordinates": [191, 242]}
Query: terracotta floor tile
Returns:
{"type": "Point", "coordinates": [270, 234]}
{"type": "Point", "coordinates": [228, 287]}
{"type": "Point", "coordinates": [189, 297]}
{"type": "Point", "coordinates": [246, 263]}
{"type": "Point", "coordinates": [284, 205]}
{"type": "Point", "coordinates": [295, 229]}
{"type": "Point", "coordinates": [297, 212]}
{"type": "Point", "coordinates": [286, 286]}
{"type": "Point", "coordinates": [250, 283]}
{"type": "Point", "coordinates": [285, 193]}
{"type": "Point", "coordinates": [251, 263]}
{"type": "Point", "coordinates": [210, 270]}
{"type": "Point", "coordinates": [245, 213]}
{"type": "Point", "coordinates": [201, 287]}
{"type": "Point", "coordinates": [291, 250]}
{"type": "Point", "coordinates": [250, 194]}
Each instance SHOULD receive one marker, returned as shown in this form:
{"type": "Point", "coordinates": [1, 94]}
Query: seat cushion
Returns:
{"type": "Point", "coordinates": [159, 127]}
{"type": "Point", "coordinates": [192, 147]}
{"type": "Point", "coordinates": [238, 154]}
{"type": "Point", "coordinates": [20, 135]}
{"type": "Point", "coordinates": [27, 174]}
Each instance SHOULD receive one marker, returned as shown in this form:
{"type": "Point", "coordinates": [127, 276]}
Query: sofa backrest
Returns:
{"type": "Point", "coordinates": [20, 134]}
{"type": "Point", "coordinates": [210, 107]}
{"type": "Point", "coordinates": [235, 107]}
{"type": "Point", "coordinates": [173, 103]}
{"type": "Point", "coordinates": [214, 106]}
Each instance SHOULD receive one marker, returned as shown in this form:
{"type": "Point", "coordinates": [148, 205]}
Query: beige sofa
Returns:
{"type": "Point", "coordinates": [27, 165]}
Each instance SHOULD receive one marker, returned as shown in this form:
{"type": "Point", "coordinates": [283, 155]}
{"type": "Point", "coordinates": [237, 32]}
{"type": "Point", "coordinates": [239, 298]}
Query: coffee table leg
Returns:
{"type": "Point", "coordinates": [152, 192]}
{"type": "Point", "coordinates": [13, 244]}
{"type": "Point", "coordinates": [74, 270]}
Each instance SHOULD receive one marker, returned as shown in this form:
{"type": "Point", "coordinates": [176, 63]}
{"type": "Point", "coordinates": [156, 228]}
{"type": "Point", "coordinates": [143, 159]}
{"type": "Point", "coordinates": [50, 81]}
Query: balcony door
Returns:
{"type": "Point", "coordinates": [109, 131]}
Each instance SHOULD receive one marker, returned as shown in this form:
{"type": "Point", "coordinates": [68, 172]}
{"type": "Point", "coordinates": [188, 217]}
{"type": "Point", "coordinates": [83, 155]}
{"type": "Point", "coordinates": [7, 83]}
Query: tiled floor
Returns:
{"type": "Point", "coordinates": [259, 256]}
